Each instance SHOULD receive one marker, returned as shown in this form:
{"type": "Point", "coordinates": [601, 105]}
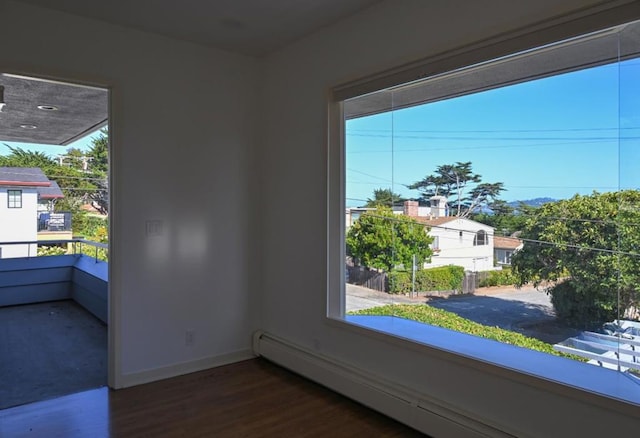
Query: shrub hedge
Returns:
{"type": "Point", "coordinates": [503, 277]}
{"type": "Point", "coordinates": [442, 318]}
{"type": "Point", "coordinates": [432, 279]}
{"type": "Point", "coordinates": [586, 308]}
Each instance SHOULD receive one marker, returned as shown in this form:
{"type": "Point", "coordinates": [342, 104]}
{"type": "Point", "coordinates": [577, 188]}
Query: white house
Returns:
{"type": "Point", "coordinates": [22, 192]}
{"type": "Point", "coordinates": [457, 241]}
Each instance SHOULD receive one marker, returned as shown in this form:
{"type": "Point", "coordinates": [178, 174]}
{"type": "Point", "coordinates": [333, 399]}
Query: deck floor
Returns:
{"type": "Point", "coordinates": [48, 350]}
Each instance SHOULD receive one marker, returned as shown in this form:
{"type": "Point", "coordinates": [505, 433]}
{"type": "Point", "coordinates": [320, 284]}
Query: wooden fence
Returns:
{"type": "Point", "coordinates": [469, 282]}
{"type": "Point", "coordinates": [360, 276]}
{"type": "Point", "coordinates": [379, 281]}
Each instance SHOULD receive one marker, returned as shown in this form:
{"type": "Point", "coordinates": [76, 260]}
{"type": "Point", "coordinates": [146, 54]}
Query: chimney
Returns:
{"type": "Point", "coordinates": [438, 206]}
{"type": "Point", "coordinates": [411, 208]}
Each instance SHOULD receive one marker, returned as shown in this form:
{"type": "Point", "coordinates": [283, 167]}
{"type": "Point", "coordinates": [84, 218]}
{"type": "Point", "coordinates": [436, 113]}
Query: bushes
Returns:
{"type": "Point", "coordinates": [50, 250]}
{"type": "Point", "coordinates": [434, 279]}
{"type": "Point", "coordinates": [400, 282]}
{"type": "Point", "coordinates": [496, 278]}
{"type": "Point", "coordinates": [84, 224]}
{"type": "Point", "coordinates": [588, 308]}
{"type": "Point", "coordinates": [442, 318]}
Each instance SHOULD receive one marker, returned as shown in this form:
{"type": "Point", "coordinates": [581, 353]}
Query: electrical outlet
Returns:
{"type": "Point", "coordinates": [189, 338]}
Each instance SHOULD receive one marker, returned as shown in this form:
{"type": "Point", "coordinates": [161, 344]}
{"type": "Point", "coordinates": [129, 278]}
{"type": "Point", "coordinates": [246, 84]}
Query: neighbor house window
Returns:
{"type": "Point", "coordinates": [544, 143]}
{"type": "Point", "coordinates": [481, 238]}
{"type": "Point", "coordinates": [14, 198]}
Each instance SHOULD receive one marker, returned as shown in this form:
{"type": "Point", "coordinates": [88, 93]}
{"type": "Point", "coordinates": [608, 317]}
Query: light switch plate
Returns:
{"type": "Point", "coordinates": [154, 228]}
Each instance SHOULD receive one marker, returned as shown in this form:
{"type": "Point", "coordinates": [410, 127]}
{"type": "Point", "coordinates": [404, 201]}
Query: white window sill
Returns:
{"type": "Point", "coordinates": [567, 372]}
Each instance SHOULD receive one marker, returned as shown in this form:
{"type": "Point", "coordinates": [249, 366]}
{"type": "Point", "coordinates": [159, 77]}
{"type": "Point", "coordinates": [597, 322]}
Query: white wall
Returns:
{"type": "Point", "coordinates": [182, 131]}
{"type": "Point", "coordinates": [459, 250]}
{"type": "Point", "coordinates": [298, 79]}
{"type": "Point", "coordinates": [19, 224]}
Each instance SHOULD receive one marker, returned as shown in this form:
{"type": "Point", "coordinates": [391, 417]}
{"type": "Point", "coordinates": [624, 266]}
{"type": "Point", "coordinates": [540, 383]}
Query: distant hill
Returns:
{"type": "Point", "coordinates": [535, 202]}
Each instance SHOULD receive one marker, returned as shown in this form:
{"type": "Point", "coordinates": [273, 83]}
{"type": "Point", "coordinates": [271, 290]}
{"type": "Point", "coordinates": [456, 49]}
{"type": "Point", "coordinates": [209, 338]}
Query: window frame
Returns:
{"type": "Point", "coordinates": [481, 241]}
{"type": "Point", "coordinates": [568, 377]}
{"type": "Point", "coordinates": [14, 198]}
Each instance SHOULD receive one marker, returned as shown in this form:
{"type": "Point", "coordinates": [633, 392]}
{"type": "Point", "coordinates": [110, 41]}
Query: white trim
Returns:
{"type": "Point", "coordinates": [178, 369]}
{"type": "Point", "coordinates": [336, 251]}
{"type": "Point", "coordinates": [581, 22]}
{"type": "Point", "coordinates": [114, 296]}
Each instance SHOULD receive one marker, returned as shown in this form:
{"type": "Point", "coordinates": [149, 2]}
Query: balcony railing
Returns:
{"type": "Point", "coordinates": [77, 270]}
{"type": "Point", "coordinates": [96, 250]}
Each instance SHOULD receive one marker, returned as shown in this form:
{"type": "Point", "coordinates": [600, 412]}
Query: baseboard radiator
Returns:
{"type": "Point", "coordinates": [415, 410]}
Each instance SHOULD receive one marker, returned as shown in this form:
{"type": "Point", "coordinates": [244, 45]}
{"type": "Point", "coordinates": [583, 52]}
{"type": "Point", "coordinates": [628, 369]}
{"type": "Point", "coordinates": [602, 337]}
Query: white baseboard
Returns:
{"type": "Point", "coordinates": [416, 410]}
{"type": "Point", "coordinates": [181, 368]}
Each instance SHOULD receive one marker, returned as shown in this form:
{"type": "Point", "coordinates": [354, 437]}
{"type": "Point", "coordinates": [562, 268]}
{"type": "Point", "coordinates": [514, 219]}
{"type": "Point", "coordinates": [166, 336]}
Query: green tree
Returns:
{"type": "Point", "coordinates": [74, 158]}
{"type": "Point", "coordinates": [99, 152]}
{"type": "Point", "coordinates": [21, 158]}
{"type": "Point", "coordinates": [75, 184]}
{"type": "Point", "coordinates": [384, 198]}
{"type": "Point", "coordinates": [506, 219]}
{"type": "Point", "coordinates": [99, 165]}
{"type": "Point", "coordinates": [379, 239]}
{"type": "Point", "coordinates": [78, 187]}
{"type": "Point", "coordinates": [458, 181]}
{"type": "Point", "coordinates": [587, 248]}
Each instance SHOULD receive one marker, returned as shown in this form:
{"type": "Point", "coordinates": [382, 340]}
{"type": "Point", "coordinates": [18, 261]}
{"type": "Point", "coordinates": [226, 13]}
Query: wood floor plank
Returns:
{"type": "Point", "coordinates": [253, 398]}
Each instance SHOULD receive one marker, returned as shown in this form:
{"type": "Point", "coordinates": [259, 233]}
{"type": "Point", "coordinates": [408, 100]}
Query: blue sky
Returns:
{"type": "Point", "coordinates": [51, 150]}
{"type": "Point", "coordinates": [552, 137]}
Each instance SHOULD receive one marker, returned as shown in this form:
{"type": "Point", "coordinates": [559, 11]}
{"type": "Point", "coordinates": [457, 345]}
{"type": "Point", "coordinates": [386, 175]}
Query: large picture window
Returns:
{"type": "Point", "coordinates": [537, 151]}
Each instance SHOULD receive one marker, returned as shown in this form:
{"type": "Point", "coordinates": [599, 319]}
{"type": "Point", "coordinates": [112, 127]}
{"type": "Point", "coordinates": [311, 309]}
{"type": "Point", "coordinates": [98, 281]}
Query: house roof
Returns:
{"type": "Point", "coordinates": [502, 242]}
{"type": "Point", "coordinates": [436, 221]}
{"type": "Point", "coordinates": [23, 176]}
{"type": "Point", "coordinates": [51, 192]}
{"type": "Point", "coordinates": [30, 177]}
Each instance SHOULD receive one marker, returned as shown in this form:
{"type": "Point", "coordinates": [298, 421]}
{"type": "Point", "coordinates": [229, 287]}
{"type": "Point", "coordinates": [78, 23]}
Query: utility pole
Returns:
{"type": "Point", "coordinates": [413, 276]}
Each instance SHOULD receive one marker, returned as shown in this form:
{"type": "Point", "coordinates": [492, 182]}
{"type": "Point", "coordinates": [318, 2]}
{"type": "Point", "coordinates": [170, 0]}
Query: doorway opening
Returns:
{"type": "Point", "coordinates": [54, 238]}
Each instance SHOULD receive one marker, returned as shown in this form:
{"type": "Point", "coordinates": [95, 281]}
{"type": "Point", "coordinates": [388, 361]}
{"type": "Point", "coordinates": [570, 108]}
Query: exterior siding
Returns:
{"type": "Point", "coordinates": [456, 247]}
{"type": "Point", "coordinates": [18, 224]}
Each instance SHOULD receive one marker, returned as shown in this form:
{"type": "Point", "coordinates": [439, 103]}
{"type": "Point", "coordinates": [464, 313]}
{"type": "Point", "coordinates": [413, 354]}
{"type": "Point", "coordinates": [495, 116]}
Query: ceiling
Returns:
{"type": "Point", "coordinates": [251, 27]}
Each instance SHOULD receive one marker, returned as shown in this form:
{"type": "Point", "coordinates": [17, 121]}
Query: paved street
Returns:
{"type": "Point", "coordinates": [525, 310]}
{"type": "Point", "coordinates": [359, 298]}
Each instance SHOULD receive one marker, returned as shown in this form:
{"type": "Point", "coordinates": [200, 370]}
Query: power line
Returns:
{"type": "Point", "coordinates": [369, 175]}
{"type": "Point", "coordinates": [491, 131]}
{"type": "Point", "coordinates": [9, 172]}
{"type": "Point", "coordinates": [462, 138]}
{"type": "Point", "coordinates": [477, 148]}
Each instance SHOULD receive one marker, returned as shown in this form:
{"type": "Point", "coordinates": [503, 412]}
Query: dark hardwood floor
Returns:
{"type": "Point", "coordinates": [254, 398]}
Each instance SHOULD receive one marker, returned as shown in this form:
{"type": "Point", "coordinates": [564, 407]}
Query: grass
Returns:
{"type": "Point", "coordinates": [442, 318]}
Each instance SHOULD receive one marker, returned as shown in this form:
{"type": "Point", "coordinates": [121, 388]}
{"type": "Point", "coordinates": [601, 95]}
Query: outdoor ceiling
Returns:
{"type": "Point", "coordinates": [46, 112]}
{"type": "Point", "coordinates": [252, 27]}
